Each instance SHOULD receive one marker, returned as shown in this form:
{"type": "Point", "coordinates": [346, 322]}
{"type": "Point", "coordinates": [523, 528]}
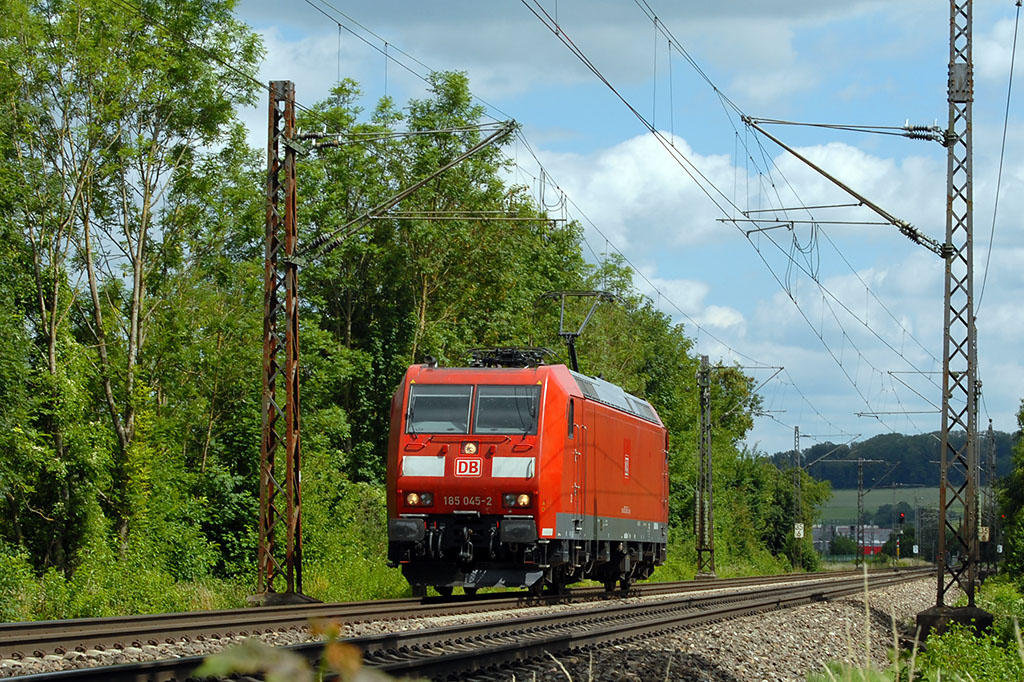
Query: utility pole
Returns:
{"type": "Point", "coordinates": [797, 488]}
{"type": "Point", "coordinates": [960, 386]}
{"type": "Point", "coordinates": [960, 351]}
{"type": "Point", "coordinates": [990, 507]}
{"type": "Point", "coordinates": [860, 511]}
{"type": "Point", "coordinates": [280, 500]}
{"type": "Point", "coordinates": [704, 516]}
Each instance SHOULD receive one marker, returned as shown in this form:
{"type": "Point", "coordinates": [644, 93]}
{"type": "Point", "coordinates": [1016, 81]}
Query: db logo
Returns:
{"type": "Point", "coordinates": [468, 466]}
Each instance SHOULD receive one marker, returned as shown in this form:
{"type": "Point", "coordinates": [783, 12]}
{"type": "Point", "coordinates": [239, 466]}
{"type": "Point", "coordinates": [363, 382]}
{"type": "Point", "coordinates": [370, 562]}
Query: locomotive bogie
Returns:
{"type": "Point", "coordinates": [523, 477]}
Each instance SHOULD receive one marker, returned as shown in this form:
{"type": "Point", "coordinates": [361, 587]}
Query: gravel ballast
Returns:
{"type": "Point", "coordinates": [772, 647]}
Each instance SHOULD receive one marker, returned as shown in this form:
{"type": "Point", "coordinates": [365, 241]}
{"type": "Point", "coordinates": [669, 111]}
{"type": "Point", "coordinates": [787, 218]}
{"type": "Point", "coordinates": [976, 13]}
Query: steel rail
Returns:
{"type": "Point", "coordinates": [476, 646]}
{"type": "Point", "coordinates": [491, 645]}
{"type": "Point", "coordinates": [38, 638]}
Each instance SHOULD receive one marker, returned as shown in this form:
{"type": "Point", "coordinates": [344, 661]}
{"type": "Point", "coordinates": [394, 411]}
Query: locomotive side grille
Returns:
{"type": "Point", "coordinates": [587, 387]}
{"type": "Point", "coordinates": [610, 394]}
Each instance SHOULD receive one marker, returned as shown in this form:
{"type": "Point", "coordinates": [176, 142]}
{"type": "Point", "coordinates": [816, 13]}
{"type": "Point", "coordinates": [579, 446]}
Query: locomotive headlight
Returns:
{"type": "Point", "coordinates": [469, 448]}
{"type": "Point", "coordinates": [516, 499]}
{"type": "Point", "coordinates": [419, 499]}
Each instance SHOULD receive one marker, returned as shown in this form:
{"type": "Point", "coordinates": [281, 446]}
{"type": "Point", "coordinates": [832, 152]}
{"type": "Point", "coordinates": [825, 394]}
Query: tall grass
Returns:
{"type": "Point", "coordinates": [957, 655]}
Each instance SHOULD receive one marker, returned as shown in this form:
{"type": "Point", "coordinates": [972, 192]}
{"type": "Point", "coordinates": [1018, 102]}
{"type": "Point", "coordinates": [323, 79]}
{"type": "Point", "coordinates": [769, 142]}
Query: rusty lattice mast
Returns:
{"type": "Point", "coordinates": [705, 515]}
{"type": "Point", "coordinates": [280, 500]}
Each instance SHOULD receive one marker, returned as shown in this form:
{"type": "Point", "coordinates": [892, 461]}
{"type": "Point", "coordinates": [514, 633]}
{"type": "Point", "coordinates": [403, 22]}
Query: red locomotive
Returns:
{"type": "Point", "coordinates": [526, 476]}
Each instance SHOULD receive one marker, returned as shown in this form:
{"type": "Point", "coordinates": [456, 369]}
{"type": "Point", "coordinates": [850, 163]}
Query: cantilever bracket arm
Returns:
{"type": "Point", "coordinates": [883, 477]}
{"type": "Point", "coordinates": [326, 243]}
{"type": "Point", "coordinates": [943, 251]}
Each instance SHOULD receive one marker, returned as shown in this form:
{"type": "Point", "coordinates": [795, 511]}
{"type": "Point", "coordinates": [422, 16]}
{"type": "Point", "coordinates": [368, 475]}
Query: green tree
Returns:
{"type": "Point", "coordinates": [1011, 498]}
{"type": "Point", "coordinates": [840, 545]}
{"type": "Point", "coordinates": [104, 105]}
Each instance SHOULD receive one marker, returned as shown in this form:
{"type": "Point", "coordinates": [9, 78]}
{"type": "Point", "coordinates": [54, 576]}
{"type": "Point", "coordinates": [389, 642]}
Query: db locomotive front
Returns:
{"type": "Point", "coordinates": [523, 477]}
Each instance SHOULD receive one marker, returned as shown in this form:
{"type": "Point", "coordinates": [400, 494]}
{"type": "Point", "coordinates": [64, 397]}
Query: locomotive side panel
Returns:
{"type": "Point", "coordinates": [627, 486]}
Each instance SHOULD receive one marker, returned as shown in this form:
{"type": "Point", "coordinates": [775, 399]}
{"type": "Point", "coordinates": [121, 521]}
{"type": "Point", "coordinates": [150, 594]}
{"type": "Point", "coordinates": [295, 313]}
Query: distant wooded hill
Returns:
{"type": "Point", "coordinates": [917, 456]}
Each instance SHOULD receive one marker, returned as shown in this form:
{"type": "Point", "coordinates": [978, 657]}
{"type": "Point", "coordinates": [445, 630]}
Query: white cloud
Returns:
{"type": "Point", "coordinates": [723, 317]}
{"type": "Point", "coordinates": [643, 198]}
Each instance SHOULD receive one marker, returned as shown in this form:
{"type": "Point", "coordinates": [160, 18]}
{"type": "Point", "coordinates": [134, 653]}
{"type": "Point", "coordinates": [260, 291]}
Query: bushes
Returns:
{"type": "Point", "coordinates": [961, 654]}
{"type": "Point", "coordinates": [17, 584]}
{"type": "Point", "coordinates": [995, 656]}
{"type": "Point", "coordinates": [107, 583]}
{"type": "Point", "coordinates": [346, 540]}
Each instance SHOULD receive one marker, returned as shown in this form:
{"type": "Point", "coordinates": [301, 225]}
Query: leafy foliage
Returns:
{"type": "Point", "coordinates": [1011, 498]}
{"type": "Point", "coordinates": [962, 654]}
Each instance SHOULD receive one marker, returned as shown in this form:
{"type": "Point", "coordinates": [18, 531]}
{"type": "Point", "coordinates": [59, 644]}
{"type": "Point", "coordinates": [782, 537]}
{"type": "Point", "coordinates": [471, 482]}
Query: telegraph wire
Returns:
{"type": "Point", "coordinates": [1002, 155]}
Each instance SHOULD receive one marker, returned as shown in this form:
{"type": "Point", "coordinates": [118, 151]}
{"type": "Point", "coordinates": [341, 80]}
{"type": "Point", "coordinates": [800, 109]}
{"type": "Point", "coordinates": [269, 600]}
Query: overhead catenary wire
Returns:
{"type": "Point", "coordinates": [385, 51]}
{"type": "Point", "coordinates": [686, 164]}
{"type": "Point", "coordinates": [682, 161]}
{"type": "Point", "coordinates": [726, 102]}
{"type": "Point", "coordinates": [658, 290]}
{"type": "Point", "coordinates": [724, 99]}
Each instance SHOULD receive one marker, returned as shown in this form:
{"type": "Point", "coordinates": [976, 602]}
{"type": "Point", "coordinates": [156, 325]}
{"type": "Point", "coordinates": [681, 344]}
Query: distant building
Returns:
{"type": "Point", "coordinates": [874, 536]}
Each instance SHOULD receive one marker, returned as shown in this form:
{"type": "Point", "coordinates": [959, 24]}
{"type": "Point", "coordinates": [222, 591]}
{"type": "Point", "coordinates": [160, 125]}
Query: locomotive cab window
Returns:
{"type": "Point", "coordinates": [438, 409]}
{"type": "Point", "coordinates": [507, 409]}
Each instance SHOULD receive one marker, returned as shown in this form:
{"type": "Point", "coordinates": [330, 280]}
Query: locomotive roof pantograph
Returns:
{"type": "Point", "coordinates": [568, 336]}
{"type": "Point", "coordinates": [509, 356]}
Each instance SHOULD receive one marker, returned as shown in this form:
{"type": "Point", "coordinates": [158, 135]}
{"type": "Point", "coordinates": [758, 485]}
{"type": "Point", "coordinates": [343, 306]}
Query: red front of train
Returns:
{"type": "Point", "coordinates": [523, 477]}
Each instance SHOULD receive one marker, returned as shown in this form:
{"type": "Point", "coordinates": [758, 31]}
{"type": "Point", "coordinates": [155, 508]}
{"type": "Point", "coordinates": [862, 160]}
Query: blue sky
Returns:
{"type": "Point", "coordinates": [865, 333]}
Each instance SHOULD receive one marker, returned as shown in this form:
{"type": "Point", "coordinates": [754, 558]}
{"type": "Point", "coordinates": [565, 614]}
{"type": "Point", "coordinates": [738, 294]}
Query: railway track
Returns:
{"type": "Point", "coordinates": [439, 651]}
{"type": "Point", "coordinates": [40, 638]}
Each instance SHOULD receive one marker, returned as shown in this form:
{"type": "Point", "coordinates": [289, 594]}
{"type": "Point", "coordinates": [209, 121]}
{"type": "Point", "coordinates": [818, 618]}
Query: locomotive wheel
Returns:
{"type": "Point", "coordinates": [537, 589]}
{"type": "Point", "coordinates": [625, 584]}
{"type": "Point", "coordinates": [444, 590]}
{"type": "Point", "coordinates": [609, 584]}
{"type": "Point", "coordinates": [470, 591]}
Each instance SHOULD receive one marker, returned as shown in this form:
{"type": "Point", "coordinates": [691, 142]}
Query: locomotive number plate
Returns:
{"type": "Point", "coordinates": [468, 466]}
{"type": "Point", "coordinates": [477, 501]}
